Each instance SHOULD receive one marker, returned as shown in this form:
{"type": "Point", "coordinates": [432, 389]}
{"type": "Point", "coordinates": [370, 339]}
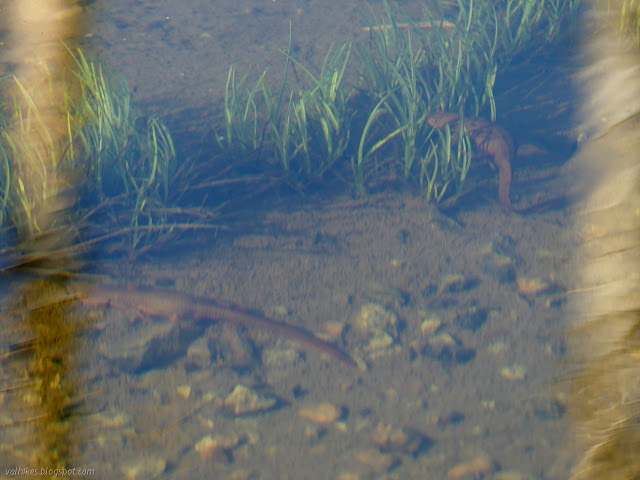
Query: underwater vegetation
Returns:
{"type": "Point", "coordinates": [363, 117]}
{"type": "Point", "coordinates": [627, 15]}
{"type": "Point", "coordinates": [124, 165]}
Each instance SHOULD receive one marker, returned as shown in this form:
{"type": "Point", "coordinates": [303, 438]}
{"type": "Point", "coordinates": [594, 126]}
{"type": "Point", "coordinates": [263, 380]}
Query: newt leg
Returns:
{"type": "Point", "coordinates": [504, 185]}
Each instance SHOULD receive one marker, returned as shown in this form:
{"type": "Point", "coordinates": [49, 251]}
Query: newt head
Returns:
{"type": "Point", "coordinates": [441, 119]}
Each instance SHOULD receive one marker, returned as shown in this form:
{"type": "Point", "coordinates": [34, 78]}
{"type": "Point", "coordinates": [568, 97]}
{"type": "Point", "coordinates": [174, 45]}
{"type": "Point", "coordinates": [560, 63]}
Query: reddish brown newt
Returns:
{"type": "Point", "coordinates": [489, 140]}
{"type": "Point", "coordinates": [178, 306]}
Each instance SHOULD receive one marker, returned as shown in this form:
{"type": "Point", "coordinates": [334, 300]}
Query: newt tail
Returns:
{"type": "Point", "coordinates": [175, 306]}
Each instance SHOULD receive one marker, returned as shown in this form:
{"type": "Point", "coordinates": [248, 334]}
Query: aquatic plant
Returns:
{"type": "Point", "coordinates": [420, 70]}
{"type": "Point", "coordinates": [622, 16]}
{"type": "Point", "coordinates": [241, 113]}
{"type": "Point", "coordinates": [407, 71]}
{"type": "Point", "coordinates": [396, 66]}
{"type": "Point", "coordinates": [435, 64]}
{"type": "Point", "coordinates": [325, 103]}
{"type": "Point", "coordinates": [5, 184]}
{"type": "Point", "coordinates": [305, 125]}
{"type": "Point", "coordinates": [445, 162]}
{"type": "Point", "coordinates": [125, 171]}
{"type": "Point", "coordinates": [122, 162]}
{"type": "Point", "coordinates": [525, 25]}
{"type": "Point", "coordinates": [629, 18]}
{"type": "Point", "coordinates": [23, 198]}
{"type": "Point", "coordinates": [279, 120]}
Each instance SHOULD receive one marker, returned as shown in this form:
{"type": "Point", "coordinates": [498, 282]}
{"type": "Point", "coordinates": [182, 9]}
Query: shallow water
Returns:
{"type": "Point", "coordinates": [454, 316]}
{"type": "Point", "coordinates": [480, 385]}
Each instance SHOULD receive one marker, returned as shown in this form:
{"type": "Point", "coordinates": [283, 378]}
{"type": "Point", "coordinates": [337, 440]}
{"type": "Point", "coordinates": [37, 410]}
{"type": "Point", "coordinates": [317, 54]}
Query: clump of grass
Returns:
{"type": "Point", "coordinates": [241, 119]}
{"type": "Point", "coordinates": [279, 118]}
{"type": "Point", "coordinates": [408, 70]}
{"type": "Point", "coordinates": [417, 71]}
{"type": "Point", "coordinates": [122, 162]}
{"type": "Point", "coordinates": [323, 109]}
{"type": "Point", "coordinates": [28, 165]}
{"type": "Point", "coordinates": [629, 18]}
{"type": "Point", "coordinates": [360, 161]}
{"type": "Point", "coordinates": [121, 158]}
{"type": "Point", "coordinates": [526, 25]}
{"type": "Point", "coordinates": [312, 130]}
{"type": "Point", "coordinates": [408, 73]}
{"type": "Point", "coordinates": [306, 126]}
{"type": "Point", "coordinates": [445, 162]}
{"type": "Point", "coordinates": [124, 171]}
{"type": "Point", "coordinates": [418, 68]}
{"type": "Point", "coordinates": [623, 16]}
{"type": "Point", "coordinates": [396, 65]}
{"type": "Point", "coordinates": [5, 184]}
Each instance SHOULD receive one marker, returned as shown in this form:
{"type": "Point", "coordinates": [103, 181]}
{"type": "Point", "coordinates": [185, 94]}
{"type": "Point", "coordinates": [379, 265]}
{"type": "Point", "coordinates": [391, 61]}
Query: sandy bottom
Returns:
{"type": "Point", "coordinates": [456, 323]}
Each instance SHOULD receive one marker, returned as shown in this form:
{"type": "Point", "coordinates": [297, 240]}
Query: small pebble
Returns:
{"type": "Point", "coordinates": [348, 476]}
{"type": "Point", "coordinates": [199, 354]}
{"type": "Point", "coordinates": [429, 326]}
{"type": "Point", "coordinates": [388, 438]}
{"type": "Point", "coordinates": [116, 421]}
{"type": "Point", "coordinates": [211, 447]}
{"type": "Point", "coordinates": [245, 400]}
{"type": "Point", "coordinates": [322, 413]}
{"type": "Point", "coordinates": [374, 459]}
{"type": "Point", "coordinates": [531, 286]}
{"type": "Point", "coordinates": [335, 329]}
{"type": "Point", "coordinates": [143, 469]}
{"type": "Point", "coordinates": [497, 348]}
{"type": "Point", "coordinates": [442, 340]}
{"type": "Point", "coordinates": [184, 391]}
{"type": "Point", "coordinates": [453, 283]}
{"type": "Point", "coordinates": [473, 469]}
{"type": "Point", "coordinates": [514, 372]}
